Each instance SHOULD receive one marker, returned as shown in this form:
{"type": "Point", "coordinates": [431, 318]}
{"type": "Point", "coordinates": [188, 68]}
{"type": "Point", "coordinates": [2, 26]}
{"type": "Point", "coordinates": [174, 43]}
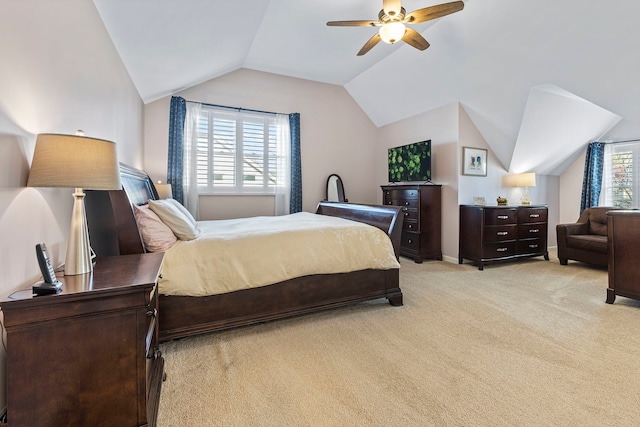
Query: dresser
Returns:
{"type": "Point", "coordinates": [623, 234]}
{"type": "Point", "coordinates": [89, 355]}
{"type": "Point", "coordinates": [421, 230]}
{"type": "Point", "coordinates": [495, 233]}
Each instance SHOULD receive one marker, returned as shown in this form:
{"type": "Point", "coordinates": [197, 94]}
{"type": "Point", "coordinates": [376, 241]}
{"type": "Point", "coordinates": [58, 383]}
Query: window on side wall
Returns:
{"type": "Point", "coordinates": [237, 152]}
{"type": "Point", "coordinates": [620, 176]}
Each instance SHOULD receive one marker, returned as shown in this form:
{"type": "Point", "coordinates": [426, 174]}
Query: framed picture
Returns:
{"type": "Point", "coordinates": [474, 161]}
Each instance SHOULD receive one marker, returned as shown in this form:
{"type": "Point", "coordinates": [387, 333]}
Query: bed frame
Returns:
{"type": "Point", "coordinates": [113, 231]}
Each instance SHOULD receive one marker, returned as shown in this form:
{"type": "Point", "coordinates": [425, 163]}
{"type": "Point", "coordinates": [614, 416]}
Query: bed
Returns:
{"type": "Point", "coordinates": [113, 231]}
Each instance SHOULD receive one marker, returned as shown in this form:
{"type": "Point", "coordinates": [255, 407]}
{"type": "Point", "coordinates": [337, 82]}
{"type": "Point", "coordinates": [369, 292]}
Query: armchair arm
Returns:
{"type": "Point", "coordinates": [563, 231]}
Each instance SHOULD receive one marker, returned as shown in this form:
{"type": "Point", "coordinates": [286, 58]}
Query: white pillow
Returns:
{"type": "Point", "coordinates": [182, 209]}
{"type": "Point", "coordinates": [179, 223]}
{"type": "Point", "coordinates": [156, 235]}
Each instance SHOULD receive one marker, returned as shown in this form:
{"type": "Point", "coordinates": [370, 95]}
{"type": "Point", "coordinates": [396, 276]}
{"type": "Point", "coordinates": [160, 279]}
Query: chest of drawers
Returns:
{"type": "Point", "coordinates": [421, 229]}
{"type": "Point", "coordinates": [493, 233]}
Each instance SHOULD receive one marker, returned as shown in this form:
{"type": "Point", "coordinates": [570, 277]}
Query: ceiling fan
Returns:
{"type": "Point", "coordinates": [392, 19]}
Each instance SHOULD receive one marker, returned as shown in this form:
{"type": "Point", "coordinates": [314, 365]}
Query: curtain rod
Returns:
{"type": "Point", "coordinates": [620, 142]}
{"type": "Point", "coordinates": [234, 108]}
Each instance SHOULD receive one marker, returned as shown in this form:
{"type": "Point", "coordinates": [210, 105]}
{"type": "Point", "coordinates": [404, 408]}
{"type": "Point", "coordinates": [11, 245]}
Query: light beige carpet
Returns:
{"type": "Point", "coordinates": [527, 343]}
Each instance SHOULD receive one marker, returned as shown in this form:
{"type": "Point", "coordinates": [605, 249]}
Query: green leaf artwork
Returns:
{"type": "Point", "coordinates": [410, 162]}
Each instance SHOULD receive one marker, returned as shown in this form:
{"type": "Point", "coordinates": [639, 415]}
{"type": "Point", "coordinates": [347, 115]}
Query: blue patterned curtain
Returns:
{"type": "Point", "coordinates": [592, 182]}
{"type": "Point", "coordinates": [295, 203]}
{"type": "Point", "coordinates": [175, 165]}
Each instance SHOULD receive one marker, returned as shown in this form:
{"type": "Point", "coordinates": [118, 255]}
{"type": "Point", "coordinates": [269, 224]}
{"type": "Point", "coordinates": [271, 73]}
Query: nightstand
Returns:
{"type": "Point", "coordinates": [89, 355]}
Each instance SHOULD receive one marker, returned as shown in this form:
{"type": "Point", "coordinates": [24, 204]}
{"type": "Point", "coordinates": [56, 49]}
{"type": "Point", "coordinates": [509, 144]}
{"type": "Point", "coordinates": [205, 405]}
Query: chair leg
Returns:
{"type": "Point", "coordinates": [563, 261]}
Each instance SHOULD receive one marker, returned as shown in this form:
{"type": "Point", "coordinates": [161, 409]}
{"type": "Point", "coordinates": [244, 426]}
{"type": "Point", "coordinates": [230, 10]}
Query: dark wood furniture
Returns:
{"type": "Point", "coordinates": [89, 355]}
{"type": "Point", "coordinates": [113, 231]}
{"type": "Point", "coordinates": [586, 239]}
{"type": "Point", "coordinates": [421, 206]}
{"type": "Point", "coordinates": [623, 234]}
{"type": "Point", "coordinates": [497, 233]}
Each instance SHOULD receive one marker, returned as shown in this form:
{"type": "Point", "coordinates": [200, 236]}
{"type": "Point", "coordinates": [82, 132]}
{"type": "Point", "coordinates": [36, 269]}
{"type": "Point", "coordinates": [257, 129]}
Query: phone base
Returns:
{"type": "Point", "coordinates": [47, 288]}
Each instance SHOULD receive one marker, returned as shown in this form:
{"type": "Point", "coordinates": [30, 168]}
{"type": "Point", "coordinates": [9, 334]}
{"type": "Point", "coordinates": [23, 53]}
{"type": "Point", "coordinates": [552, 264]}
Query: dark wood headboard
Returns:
{"type": "Point", "coordinates": [112, 226]}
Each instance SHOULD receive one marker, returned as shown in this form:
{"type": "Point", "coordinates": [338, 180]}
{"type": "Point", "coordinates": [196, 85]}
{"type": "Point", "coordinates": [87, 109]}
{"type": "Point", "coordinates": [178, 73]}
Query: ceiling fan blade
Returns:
{"type": "Point", "coordinates": [414, 38]}
{"type": "Point", "coordinates": [369, 44]}
{"type": "Point", "coordinates": [433, 12]}
{"type": "Point", "coordinates": [392, 7]}
{"type": "Point", "coordinates": [353, 23]}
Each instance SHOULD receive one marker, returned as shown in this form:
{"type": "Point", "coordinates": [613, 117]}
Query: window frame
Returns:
{"type": "Point", "coordinates": [609, 183]}
{"type": "Point", "coordinates": [267, 161]}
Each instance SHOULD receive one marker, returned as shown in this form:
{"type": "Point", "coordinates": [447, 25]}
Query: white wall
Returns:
{"type": "Point", "coordinates": [60, 72]}
{"type": "Point", "coordinates": [336, 136]}
{"type": "Point", "coordinates": [570, 189]}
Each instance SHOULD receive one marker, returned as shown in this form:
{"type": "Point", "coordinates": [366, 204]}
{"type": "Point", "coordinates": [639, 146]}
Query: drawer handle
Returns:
{"type": "Point", "coordinates": [503, 217]}
{"type": "Point", "coordinates": [410, 241]}
{"type": "Point", "coordinates": [406, 203]}
{"type": "Point", "coordinates": [534, 215]}
{"type": "Point", "coordinates": [533, 246]}
{"type": "Point", "coordinates": [406, 214]}
{"type": "Point", "coordinates": [502, 233]}
{"type": "Point", "coordinates": [388, 203]}
{"type": "Point", "coordinates": [501, 249]}
{"type": "Point", "coordinates": [410, 226]}
{"type": "Point", "coordinates": [534, 230]}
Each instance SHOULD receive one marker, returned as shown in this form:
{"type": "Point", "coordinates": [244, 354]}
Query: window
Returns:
{"type": "Point", "coordinates": [621, 187]}
{"type": "Point", "coordinates": [237, 152]}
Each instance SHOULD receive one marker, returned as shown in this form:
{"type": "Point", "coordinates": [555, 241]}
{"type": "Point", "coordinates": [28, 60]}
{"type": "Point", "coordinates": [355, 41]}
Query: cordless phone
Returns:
{"type": "Point", "coordinates": [51, 285]}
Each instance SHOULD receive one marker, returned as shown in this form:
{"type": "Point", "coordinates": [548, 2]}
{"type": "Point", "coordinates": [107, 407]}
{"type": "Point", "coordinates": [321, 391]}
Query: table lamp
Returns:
{"type": "Point", "coordinates": [83, 163]}
{"type": "Point", "coordinates": [526, 180]}
{"type": "Point", "coordinates": [164, 190]}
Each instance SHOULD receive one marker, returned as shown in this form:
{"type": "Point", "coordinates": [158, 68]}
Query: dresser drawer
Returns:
{"type": "Point", "coordinates": [500, 216]}
{"type": "Point", "coordinates": [405, 203]}
{"type": "Point", "coordinates": [410, 240]}
{"type": "Point", "coordinates": [499, 249]}
{"type": "Point", "coordinates": [527, 215]}
{"type": "Point", "coordinates": [410, 214]}
{"type": "Point", "coordinates": [410, 225]}
{"type": "Point", "coordinates": [529, 231]}
{"type": "Point", "coordinates": [531, 246]}
{"type": "Point", "coordinates": [500, 233]}
{"type": "Point", "coordinates": [401, 194]}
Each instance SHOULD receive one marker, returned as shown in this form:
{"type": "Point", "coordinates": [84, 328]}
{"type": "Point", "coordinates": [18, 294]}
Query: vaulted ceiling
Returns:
{"type": "Point", "coordinates": [539, 79]}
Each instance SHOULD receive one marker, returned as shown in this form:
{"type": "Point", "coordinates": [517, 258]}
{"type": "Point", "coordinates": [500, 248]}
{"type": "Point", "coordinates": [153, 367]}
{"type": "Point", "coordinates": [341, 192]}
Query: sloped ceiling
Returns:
{"type": "Point", "coordinates": [542, 76]}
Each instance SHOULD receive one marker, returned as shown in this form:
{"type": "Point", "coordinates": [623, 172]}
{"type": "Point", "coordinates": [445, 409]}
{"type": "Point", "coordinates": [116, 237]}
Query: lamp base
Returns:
{"type": "Point", "coordinates": [525, 197]}
{"type": "Point", "coordinates": [78, 259]}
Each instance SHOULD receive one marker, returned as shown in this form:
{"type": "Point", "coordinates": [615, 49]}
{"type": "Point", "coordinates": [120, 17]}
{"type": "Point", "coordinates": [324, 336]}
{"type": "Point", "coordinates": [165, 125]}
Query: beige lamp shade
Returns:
{"type": "Point", "coordinates": [82, 163]}
{"type": "Point", "coordinates": [526, 179]}
{"type": "Point", "coordinates": [74, 161]}
{"type": "Point", "coordinates": [164, 191]}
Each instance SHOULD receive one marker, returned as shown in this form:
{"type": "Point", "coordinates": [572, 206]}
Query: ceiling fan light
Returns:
{"type": "Point", "coordinates": [392, 32]}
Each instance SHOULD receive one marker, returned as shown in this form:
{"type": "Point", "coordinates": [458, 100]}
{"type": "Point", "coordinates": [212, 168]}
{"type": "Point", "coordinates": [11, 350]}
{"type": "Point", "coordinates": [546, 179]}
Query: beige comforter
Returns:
{"type": "Point", "coordinates": [244, 253]}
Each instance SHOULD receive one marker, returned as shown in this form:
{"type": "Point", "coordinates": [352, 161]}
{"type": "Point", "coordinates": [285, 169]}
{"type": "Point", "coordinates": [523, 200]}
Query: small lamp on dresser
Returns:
{"type": "Point", "coordinates": [83, 163]}
{"type": "Point", "coordinates": [526, 180]}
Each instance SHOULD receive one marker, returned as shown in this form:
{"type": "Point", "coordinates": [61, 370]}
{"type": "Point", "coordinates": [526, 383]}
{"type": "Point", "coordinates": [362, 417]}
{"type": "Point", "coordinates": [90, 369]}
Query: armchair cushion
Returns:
{"type": "Point", "coordinates": [586, 242]}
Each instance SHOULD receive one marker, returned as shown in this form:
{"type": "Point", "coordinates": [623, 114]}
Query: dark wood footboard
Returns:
{"type": "Point", "coordinates": [182, 316]}
{"type": "Point", "coordinates": [387, 218]}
